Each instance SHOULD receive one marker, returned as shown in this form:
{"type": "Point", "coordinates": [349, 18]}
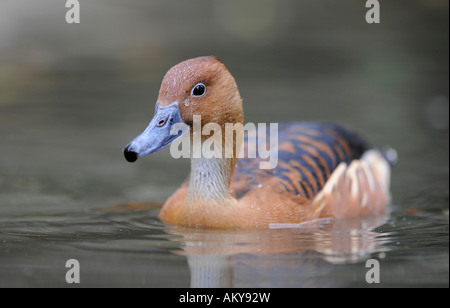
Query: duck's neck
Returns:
{"type": "Point", "coordinates": [210, 179]}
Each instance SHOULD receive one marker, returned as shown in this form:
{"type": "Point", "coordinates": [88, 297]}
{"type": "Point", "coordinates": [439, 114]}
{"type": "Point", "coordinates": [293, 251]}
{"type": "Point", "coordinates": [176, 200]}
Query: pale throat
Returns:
{"type": "Point", "coordinates": [210, 178]}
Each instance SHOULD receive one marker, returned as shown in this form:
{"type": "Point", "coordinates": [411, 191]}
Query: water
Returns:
{"type": "Point", "coordinates": [118, 249]}
{"type": "Point", "coordinates": [72, 98]}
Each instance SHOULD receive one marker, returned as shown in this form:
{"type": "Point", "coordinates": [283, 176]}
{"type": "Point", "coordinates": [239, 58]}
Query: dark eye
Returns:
{"type": "Point", "coordinates": [198, 90]}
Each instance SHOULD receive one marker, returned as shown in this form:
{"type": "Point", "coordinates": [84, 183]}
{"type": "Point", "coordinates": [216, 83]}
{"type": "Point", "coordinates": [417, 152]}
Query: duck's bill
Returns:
{"type": "Point", "coordinates": [165, 127]}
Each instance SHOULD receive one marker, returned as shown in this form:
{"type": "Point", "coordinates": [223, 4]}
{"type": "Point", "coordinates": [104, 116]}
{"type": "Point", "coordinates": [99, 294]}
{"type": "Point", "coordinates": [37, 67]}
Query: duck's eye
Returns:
{"type": "Point", "coordinates": [198, 90]}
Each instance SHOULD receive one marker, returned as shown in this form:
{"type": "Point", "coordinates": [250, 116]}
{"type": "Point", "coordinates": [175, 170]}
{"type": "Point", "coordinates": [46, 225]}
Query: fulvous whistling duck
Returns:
{"type": "Point", "coordinates": [323, 170]}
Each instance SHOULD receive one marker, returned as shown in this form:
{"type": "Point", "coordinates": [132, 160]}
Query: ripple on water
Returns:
{"type": "Point", "coordinates": [405, 242]}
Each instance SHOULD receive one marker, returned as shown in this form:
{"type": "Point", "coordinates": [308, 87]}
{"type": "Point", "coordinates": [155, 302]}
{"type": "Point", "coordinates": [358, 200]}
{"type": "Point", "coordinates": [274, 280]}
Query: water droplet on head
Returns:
{"type": "Point", "coordinates": [186, 102]}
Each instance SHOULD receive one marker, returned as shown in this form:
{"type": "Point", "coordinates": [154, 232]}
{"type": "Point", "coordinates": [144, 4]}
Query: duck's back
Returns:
{"type": "Point", "coordinates": [308, 153]}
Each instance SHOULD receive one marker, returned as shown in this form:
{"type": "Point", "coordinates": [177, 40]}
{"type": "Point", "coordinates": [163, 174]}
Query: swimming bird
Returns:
{"type": "Point", "coordinates": [323, 169]}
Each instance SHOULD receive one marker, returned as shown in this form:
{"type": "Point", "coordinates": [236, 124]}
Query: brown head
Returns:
{"type": "Point", "coordinates": [197, 87]}
{"type": "Point", "coordinates": [202, 86]}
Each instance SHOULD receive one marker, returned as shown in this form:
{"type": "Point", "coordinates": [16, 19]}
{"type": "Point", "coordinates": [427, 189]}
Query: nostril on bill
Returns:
{"type": "Point", "coordinates": [130, 156]}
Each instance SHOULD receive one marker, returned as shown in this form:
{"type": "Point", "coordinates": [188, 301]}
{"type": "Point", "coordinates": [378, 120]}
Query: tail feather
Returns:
{"type": "Point", "coordinates": [361, 188]}
{"type": "Point", "coordinates": [390, 154]}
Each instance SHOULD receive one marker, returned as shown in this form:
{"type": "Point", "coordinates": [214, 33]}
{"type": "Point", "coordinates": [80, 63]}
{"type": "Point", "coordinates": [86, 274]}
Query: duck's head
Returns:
{"type": "Point", "coordinates": [197, 87]}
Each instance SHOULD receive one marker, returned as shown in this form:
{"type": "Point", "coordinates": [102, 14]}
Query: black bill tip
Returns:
{"type": "Point", "coordinates": [130, 155]}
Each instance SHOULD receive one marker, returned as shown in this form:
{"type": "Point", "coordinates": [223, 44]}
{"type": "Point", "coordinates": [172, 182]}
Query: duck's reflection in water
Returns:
{"type": "Point", "coordinates": [285, 256]}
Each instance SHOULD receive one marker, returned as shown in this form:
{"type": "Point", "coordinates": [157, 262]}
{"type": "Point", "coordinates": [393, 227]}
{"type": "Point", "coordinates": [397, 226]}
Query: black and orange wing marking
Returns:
{"type": "Point", "coordinates": [308, 153]}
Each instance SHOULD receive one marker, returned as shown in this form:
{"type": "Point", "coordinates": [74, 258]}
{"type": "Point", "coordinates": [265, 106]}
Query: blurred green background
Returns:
{"type": "Point", "coordinates": [73, 95]}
